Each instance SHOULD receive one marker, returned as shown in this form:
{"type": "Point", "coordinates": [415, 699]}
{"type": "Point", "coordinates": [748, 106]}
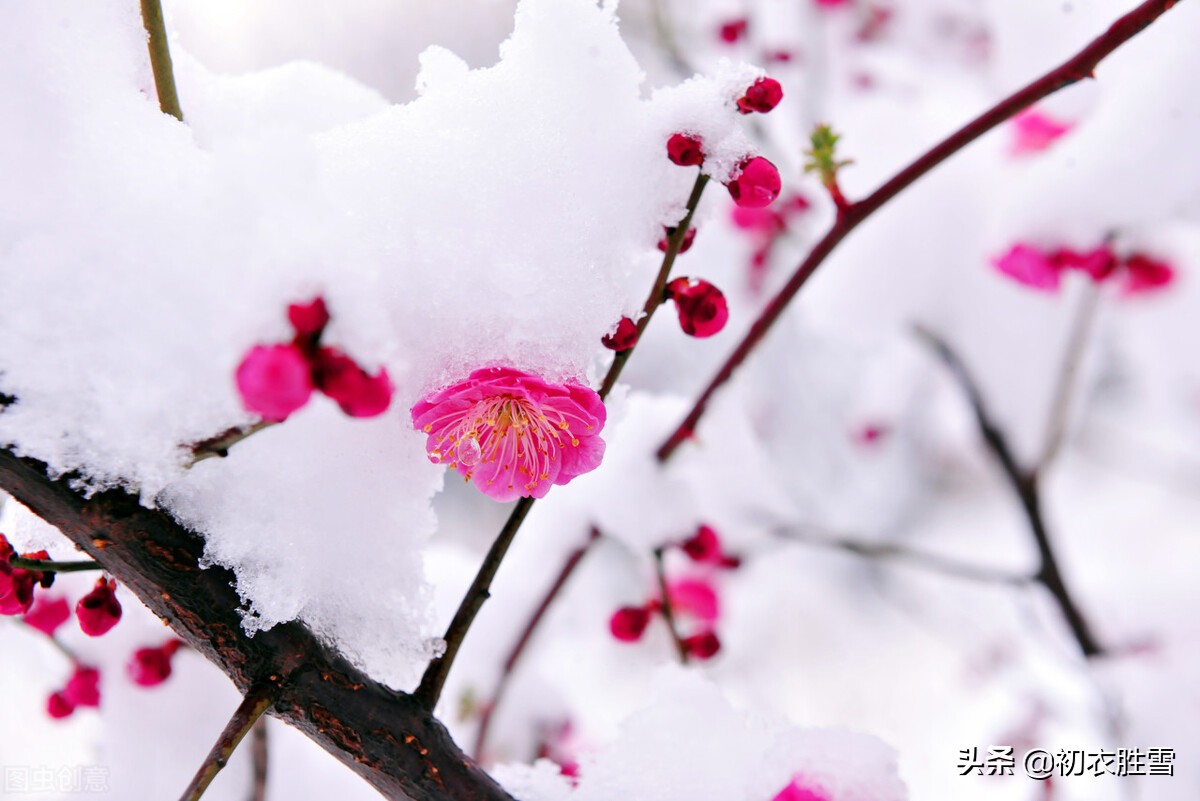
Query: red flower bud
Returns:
{"type": "Point", "coordinates": [629, 623]}
{"type": "Point", "coordinates": [149, 667]}
{"type": "Point", "coordinates": [701, 306]}
{"type": "Point", "coordinates": [356, 391]}
{"type": "Point", "coordinates": [1142, 274]}
{"type": "Point", "coordinates": [757, 185]}
{"type": "Point", "coordinates": [83, 688]}
{"type": "Point", "coordinates": [733, 30]}
{"type": "Point", "coordinates": [624, 338]}
{"type": "Point", "coordinates": [702, 646]}
{"type": "Point", "coordinates": [703, 546]}
{"type": "Point", "coordinates": [309, 319]}
{"type": "Point", "coordinates": [762, 96]}
{"type": "Point", "coordinates": [274, 381]}
{"type": "Point", "coordinates": [685, 150]}
{"type": "Point", "coordinates": [58, 707]}
{"type": "Point", "coordinates": [48, 614]}
{"type": "Point", "coordinates": [99, 610]}
{"type": "Point", "coordinates": [684, 246]}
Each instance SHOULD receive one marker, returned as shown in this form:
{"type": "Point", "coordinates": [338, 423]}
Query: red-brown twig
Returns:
{"type": "Point", "coordinates": [1078, 67]}
{"type": "Point", "coordinates": [518, 649]}
{"type": "Point", "coordinates": [256, 702]}
{"type": "Point", "coordinates": [668, 611]}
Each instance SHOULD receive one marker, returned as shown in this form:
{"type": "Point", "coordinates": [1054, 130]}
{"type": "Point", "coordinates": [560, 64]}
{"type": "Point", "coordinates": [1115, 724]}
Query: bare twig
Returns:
{"type": "Point", "coordinates": [261, 754]}
{"type": "Point", "coordinates": [48, 566]}
{"type": "Point", "coordinates": [518, 649]}
{"type": "Point", "coordinates": [218, 446]}
{"type": "Point", "coordinates": [256, 702]}
{"type": "Point", "coordinates": [160, 59]}
{"type": "Point", "coordinates": [1068, 376]}
{"type": "Point", "coordinates": [1075, 69]}
{"type": "Point", "coordinates": [923, 559]}
{"type": "Point", "coordinates": [667, 611]}
{"type": "Point", "coordinates": [1025, 485]}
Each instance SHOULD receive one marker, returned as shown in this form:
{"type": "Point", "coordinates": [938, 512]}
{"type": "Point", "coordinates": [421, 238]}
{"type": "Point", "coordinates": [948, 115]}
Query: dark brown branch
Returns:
{"type": "Point", "coordinates": [48, 566]}
{"type": "Point", "coordinates": [1025, 485]}
{"type": "Point", "coordinates": [218, 446]}
{"type": "Point", "coordinates": [387, 738]}
{"type": "Point", "coordinates": [248, 713]}
{"type": "Point", "coordinates": [260, 755]}
{"type": "Point", "coordinates": [668, 611]}
{"type": "Point", "coordinates": [518, 649]}
{"type": "Point", "coordinates": [160, 59]}
{"type": "Point", "coordinates": [434, 679]}
{"type": "Point", "coordinates": [1075, 69]}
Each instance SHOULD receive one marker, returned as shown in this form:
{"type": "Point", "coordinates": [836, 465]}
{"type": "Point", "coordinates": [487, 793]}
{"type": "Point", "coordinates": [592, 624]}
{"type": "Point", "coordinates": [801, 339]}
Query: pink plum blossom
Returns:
{"type": "Point", "coordinates": [695, 598]}
{"type": "Point", "coordinates": [513, 433]}
{"type": "Point", "coordinates": [1034, 131]}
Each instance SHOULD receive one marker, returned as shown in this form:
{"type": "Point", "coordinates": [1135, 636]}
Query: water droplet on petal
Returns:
{"type": "Point", "coordinates": [469, 452]}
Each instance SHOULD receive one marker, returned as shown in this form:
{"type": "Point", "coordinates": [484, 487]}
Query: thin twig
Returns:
{"type": "Point", "coordinates": [1025, 485]}
{"type": "Point", "coordinates": [160, 59]}
{"type": "Point", "coordinates": [518, 649]}
{"type": "Point", "coordinates": [667, 611]}
{"type": "Point", "coordinates": [256, 702]}
{"type": "Point", "coordinates": [48, 566]}
{"type": "Point", "coordinates": [218, 446]}
{"type": "Point", "coordinates": [434, 678]}
{"type": "Point", "coordinates": [1075, 69]}
{"type": "Point", "coordinates": [923, 559]}
{"type": "Point", "coordinates": [1068, 376]}
{"type": "Point", "coordinates": [261, 755]}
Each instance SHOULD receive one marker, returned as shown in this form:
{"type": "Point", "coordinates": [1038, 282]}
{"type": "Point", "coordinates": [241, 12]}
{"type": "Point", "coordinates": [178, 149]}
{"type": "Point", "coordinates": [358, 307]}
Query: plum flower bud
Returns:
{"type": "Point", "coordinates": [83, 688]}
{"type": "Point", "coordinates": [309, 319]}
{"type": "Point", "coordinates": [274, 381]}
{"type": "Point", "coordinates": [800, 791]}
{"type": "Point", "coordinates": [628, 623]}
{"type": "Point", "coordinates": [757, 184]}
{"type": "Point", "coordinates": [702, 646]}
{"type": "Point", "coordinates": [624, 338]}
{"type": "Point", "coordinates": [1034, 131]}
{"type": "Point", "coordinates": [694, 598]}
{"type": "Point", "coordinates": [17, 584]}
{"type": "Point", "coordinates": [513, 433]}
{"type": "Point", "coordinates": [99, 610]}
{"type": "Point", "coordinates": [684, 246]}
{"type": "Point", "coordinates": [358, 393]}
{"type": "Point", "coordinates": [762, 96]}
{"type": "Point", "coordinates": [1031, 267]}
{"type": "Point", "coordinates": [1144, 274]}
{"type": "Point", "coordinates": [732, 31]}
{"type": "Point", "coordinates": [149, 667]}
{"type": "Point", "coordinates": [701, 306]}
{"type": "Point", "coordinates": [685, 150]}
{"type": "Point", "coordinates": [1099, 264]}
{"type": "Point", "coordinates": [59, 707]}
{"type": "Point", "coordinates": [705, 547]}
{"type": "Point", "coordinates": [48, 614]}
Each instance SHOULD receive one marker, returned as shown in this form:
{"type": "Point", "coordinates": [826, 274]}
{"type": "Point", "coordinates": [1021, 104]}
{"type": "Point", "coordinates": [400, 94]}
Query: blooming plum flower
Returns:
{"type": "Point", "coordinates": [684, 246]}
{"type": "Point", "coordinates": [274, 381]}
{"type": "Point", "coordinates": [513, 433]}
{"type": "Point", "coordinates": [99, 610]}
{"type": "Point", "coordinates": [685, 150]}
{"type": "Point", "coordinates": [358, 393]}
{"type": "Point", "coordinates": [756, 185]}
{"type": "Point", "coordinates": [1034, 131]}
{"type": "Point", "coordinates": [702, 308]}
{"type": "Point", "coordinates": [624, 338]}
{"type": "Point", "coordinates": [628, 623]}
{"type": "Point", "coordinates": [761, 96]}
{"type": "Point", "coordinates": [48, 614]}
{"type": "Point", "coordinates": [149, 667]}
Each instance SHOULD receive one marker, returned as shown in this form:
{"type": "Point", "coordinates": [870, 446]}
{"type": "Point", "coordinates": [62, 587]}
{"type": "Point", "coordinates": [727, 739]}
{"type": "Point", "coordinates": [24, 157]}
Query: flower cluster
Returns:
{"type": "Point", "coordinates": [513, 433]}
{"type": "Point", "coordinates": [17, 584]}
{"type": "Point", "coordinates": [1042, 269]}
{"type": "Point", "coordinates": [277, 380]}
{"type": "Point", "coordinates": [693, 600]}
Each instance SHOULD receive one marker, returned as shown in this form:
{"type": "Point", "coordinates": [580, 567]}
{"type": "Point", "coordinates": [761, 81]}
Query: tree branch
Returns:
{"type": "Point", "coordinates": [1025, 485]}
{"type": "Point", "coordinates": [261, 755]}
{"type": "Point", "coordinates": [248, 713]}
{"type": "Point", "coordinates": [387, 738]}
{"type": "Point", "coordinates": [667, 611]}
{"type": "Point", "coordinates": [518, 649]}
{"type": "Point", "coordinates": [1075, 69]}
{"type": "Point", "coordinates": [160, 59]}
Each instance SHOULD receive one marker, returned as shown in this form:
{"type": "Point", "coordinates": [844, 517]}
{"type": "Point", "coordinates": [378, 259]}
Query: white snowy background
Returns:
{"type": "Point", "coordinates": [462, 198]}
